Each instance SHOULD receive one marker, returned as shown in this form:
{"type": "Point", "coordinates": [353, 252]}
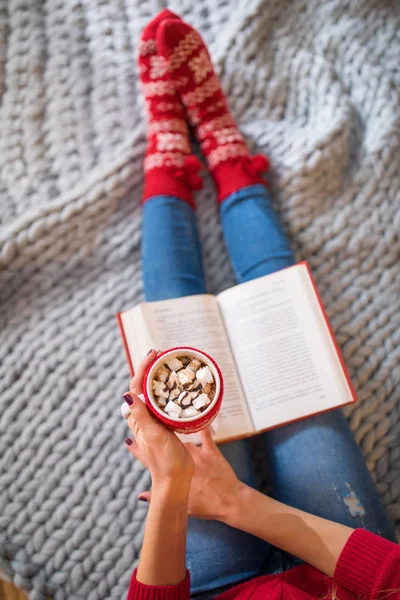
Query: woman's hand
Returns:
{"type": "Point", "coordinates": [171, 467]}
{"type": "Point", "coordinates": [159, 449]}
{"type": "Point", "coordinates": [215, 487]}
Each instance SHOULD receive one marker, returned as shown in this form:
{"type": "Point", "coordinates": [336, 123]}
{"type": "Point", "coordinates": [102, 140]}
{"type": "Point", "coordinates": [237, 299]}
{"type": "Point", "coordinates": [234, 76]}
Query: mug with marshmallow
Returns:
{"type": "Point", "coordinates": [183, 389]}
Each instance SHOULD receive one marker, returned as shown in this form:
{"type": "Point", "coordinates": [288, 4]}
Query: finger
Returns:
{"type": "Point", "coordinates": [193, 449]}
{"type": "Point", "coordinates": [144, 496]}
{"type": "Point", "coordinates": [134, 449]}
{"type": "Point", "coordinates": [132, 446]}
{"type": "Point", "coordinates": [207, 439]}
{"type": "Point", "coordinates": [140, 416]}
{"type": "Point", "coordinates": [135, 385]}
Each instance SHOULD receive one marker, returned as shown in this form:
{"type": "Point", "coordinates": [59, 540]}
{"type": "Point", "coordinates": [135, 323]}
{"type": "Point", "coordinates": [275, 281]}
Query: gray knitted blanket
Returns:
{"type": "Point", "coordinates": [313, 84]}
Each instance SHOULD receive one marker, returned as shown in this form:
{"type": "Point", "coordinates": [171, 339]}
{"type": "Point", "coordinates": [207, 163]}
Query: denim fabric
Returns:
{"type": "Point", "coordinates": [256, 242]}
{"type": "Point", "coordinates": [171, 254]}
{"type": "Point", "coordinates": [315, 464]}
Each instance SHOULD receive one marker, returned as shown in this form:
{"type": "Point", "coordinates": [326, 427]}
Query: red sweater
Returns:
{"type": "Point", "coordinates": [368, 569]}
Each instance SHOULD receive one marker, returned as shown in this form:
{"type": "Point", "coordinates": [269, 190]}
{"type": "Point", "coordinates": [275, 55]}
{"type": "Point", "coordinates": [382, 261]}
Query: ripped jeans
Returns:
{"type": "Point", "coordinates": [314, 465]}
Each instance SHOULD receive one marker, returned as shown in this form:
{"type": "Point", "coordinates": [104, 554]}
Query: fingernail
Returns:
{"type": "Point", "coordinates": [128, 442]}
{"type": "Point", "coordinates": [143, 498]}
{"type": "Point", "coordinates": [128, 399]}
{"type": "Point", "coordinates": [150, 351]}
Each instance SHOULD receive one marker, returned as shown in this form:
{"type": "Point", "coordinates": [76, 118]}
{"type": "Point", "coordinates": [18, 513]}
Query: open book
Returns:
{"type": "Point", "coordinates": [271, 339]}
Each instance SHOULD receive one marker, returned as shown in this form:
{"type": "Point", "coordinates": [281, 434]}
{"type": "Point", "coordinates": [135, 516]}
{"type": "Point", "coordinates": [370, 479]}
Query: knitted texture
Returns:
{"type": "Point", "coordinates": [315, 86]}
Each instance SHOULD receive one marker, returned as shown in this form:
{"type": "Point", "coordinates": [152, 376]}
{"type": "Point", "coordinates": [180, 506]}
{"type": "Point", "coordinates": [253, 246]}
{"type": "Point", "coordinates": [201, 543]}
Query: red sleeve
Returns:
{"type": "Point", "coordinates": [140, 591]}
{"type": "Point", "coordinates": [369, 566]}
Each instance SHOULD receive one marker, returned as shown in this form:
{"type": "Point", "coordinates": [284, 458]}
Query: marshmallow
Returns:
{"type": "Point", "coordinates": [194, 365]}
{"type": "Point", "coordinates": [190, 412]}
{"type": "Point", "coordinates": [185, 377]}
{"type": "Point", "coordinates": [207, 388]}
{"type": "Point", "coordinates": [162, 374]}
{"type": "Point", "coordinates": [172, 380]}
{"type": "Point", "coordinates": [204, 375]}
{"type": "Point", "coordinates": [201, 401]}
{"type": "Point", "coordinates": [185, 399]}
{"type": "Point", "coordinates": [195, 386]}
{"type": "Point", "coordinates": [174, 393]}
{"type": "Point", "coordinates": [173, 410]}
{"type": "Point", "coordinates": [174, 364]}
{"type": "Point", "coordinates": [159, 389]}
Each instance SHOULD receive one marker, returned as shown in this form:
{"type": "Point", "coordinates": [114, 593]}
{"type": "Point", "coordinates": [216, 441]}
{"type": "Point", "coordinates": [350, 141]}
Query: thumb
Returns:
{"type": "Point", "coordinates": [145, 496]}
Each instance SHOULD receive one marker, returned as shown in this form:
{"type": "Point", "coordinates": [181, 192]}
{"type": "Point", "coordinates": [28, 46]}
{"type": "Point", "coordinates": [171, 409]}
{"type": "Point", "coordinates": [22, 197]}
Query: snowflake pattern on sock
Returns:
{"type": "Point", "coordinates": [201, 66]}
{"type": "Point", "coordinates": [173, 141]}
{"type": "Point", "coordinates": [158, 66]}
{"type": "Point", "coordinates": [222, 144]}
{"type": "Point", "coordinates": [169, 167]}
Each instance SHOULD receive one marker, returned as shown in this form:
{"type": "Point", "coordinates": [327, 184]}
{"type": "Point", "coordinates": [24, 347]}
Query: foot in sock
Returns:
{"type": "Point", "coordinates": [191, 71]}
{"type": "Point", "coordinates": [170, 168]}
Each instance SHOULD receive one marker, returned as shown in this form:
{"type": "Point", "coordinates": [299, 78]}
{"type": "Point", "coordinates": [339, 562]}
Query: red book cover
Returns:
{"type": "Point", "coordinates": [125, 343]}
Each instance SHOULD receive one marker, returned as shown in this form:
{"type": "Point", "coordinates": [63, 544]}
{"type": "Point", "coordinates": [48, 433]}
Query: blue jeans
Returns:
{"type": "Point", "coordinates": [315, 464]}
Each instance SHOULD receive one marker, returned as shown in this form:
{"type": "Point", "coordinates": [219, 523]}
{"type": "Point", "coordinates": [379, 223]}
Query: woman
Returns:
{"type": "Point", "coordinates": [324, 530]}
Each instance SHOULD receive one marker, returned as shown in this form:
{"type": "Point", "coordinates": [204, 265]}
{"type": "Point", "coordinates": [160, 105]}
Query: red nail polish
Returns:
{"type": "Point", "coordinates": [128, 442]}
{"type": "Point", "coordinates": [128, 399]}
{"type": "Point", "coordinates": [150, 351]}
{"type": "Point", "coordinates": [143, 498]}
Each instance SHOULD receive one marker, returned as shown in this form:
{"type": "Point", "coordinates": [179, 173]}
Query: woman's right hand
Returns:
{"type": "Point", "coordinates": [215, 487]}
{"type": "Point", "coordinates": [167, 459]}
{"type": "Point", "coordinates": [216, 493]}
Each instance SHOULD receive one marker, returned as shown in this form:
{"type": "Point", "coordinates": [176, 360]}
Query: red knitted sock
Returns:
{"type": "Point", "coordinates": [170, 168]}
{"type": "Point", "coordinates": [190, 69]}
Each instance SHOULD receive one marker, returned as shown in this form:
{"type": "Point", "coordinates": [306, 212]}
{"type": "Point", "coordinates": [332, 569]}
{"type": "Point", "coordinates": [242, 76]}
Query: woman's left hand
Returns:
{"type": "Point", "coordinates": [215, 488]}
{"type": "Point", "coordinates": [159, 449]}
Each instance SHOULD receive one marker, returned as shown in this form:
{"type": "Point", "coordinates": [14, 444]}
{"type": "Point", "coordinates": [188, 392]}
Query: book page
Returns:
{"type": "Point", "coordinates": [191, 321]}
{"type": "Point", "coordinates": [284, 352]}
{"type": "Point", "coordinates": [136, 333]}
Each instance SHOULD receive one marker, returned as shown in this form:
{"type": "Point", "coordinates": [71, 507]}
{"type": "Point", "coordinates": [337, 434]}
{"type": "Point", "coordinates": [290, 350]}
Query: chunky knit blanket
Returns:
{"type": "Point", "coordinates": [313, 84]}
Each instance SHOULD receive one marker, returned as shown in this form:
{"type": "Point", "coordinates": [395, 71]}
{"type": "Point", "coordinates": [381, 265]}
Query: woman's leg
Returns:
{"type": "Point", "coordinates": [256, 242]}
{"type": "Point", "coordinates": [172, 267]}
{"type": "Point", "coordinates": [316, 464]}
{"type": "Point", "coordinates": [171, 255]}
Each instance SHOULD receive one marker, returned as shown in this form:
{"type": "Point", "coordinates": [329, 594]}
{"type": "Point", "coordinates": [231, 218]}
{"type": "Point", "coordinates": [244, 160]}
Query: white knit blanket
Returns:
{"type": "Point", "coordinates": [313, 84]}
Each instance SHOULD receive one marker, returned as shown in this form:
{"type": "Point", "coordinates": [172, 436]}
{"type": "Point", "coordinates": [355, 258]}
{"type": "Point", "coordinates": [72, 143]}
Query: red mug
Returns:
{"type": "Point", "coordinates": [189, 424]}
